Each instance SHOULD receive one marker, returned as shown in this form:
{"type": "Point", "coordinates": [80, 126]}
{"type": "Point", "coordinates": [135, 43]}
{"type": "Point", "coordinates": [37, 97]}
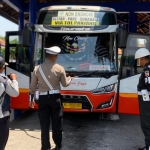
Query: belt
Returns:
{"type": "Point", "coordinates": [50, 92]}
{"type": "Point", "coordinates": [140, 93]}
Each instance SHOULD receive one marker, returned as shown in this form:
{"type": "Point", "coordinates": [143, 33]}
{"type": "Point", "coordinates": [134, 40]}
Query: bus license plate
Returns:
{"type": "Point", "coordinates": [73, 105]}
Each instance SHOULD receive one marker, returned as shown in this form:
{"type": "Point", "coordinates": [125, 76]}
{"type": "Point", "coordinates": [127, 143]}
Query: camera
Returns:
{"type": "Point", "coordinates": [9, 77]}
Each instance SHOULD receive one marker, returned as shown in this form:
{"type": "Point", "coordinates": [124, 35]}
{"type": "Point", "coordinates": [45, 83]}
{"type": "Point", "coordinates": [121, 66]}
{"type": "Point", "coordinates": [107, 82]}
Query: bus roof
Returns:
{"type": "Point", "coordinates": [78, 7]}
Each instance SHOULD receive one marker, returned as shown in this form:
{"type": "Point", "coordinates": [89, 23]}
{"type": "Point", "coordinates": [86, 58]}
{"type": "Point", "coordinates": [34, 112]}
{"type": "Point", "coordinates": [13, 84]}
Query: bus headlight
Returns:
{"type": "Point", "coordinates": [106, 89]}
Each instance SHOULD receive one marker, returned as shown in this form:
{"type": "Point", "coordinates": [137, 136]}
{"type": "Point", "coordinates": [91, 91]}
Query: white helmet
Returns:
{"type": "Point", "coordinates": [142, 52]}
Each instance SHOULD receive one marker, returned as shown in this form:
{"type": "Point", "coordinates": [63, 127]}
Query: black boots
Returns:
{"type": "Point", "coordinates": [57, 148]}
{"type": "Point", "coordinates": [144, 148]}
{"type": "Point", "coordinates": [147, 147]}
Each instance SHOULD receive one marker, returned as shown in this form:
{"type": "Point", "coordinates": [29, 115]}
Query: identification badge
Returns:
{"type": "Point", "coordinates": [145, 95]}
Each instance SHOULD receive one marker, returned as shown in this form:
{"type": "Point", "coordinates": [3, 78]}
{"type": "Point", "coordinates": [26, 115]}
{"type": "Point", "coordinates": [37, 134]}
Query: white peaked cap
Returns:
{"type": "Point", "coordinates": [53, 50]}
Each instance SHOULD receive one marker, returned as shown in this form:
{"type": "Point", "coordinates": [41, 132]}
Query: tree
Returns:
{"type": "Point", "coordinates": [2, 37]}
{"type": "Point", "coordinates": [12, 50]}
{"type": "Point", "coordinates": [14, 41]}
{"type": "Point", "coordinates": [3, 52]}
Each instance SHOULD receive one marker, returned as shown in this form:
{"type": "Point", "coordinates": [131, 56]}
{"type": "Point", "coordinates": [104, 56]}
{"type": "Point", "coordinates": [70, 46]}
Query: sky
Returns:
{"type": "Point", "coordinates": [7, 25]}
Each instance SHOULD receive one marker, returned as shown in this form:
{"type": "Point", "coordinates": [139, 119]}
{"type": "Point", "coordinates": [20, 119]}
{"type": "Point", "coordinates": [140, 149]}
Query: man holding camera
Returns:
{"type": "Point", "coordinates": [8, 87]}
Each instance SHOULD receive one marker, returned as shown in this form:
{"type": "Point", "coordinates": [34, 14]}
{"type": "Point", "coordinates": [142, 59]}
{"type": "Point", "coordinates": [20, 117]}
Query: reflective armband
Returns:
{"type": "Point", "coordinates": [148, 80]}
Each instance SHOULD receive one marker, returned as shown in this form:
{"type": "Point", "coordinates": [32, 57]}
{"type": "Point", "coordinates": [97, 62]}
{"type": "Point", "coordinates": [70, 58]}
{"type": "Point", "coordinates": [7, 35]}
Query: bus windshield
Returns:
{"type": "Point", "coordinates": [83, 52]}
{"type": "Point", "coordinates": [77, 18]}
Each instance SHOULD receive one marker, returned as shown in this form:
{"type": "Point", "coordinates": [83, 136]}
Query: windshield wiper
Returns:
{"type": "Point", "coordinates": [88, 74]}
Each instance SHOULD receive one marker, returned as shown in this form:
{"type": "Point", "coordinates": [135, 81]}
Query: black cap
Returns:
{"type": "Point", "coordinates": [2, 62]}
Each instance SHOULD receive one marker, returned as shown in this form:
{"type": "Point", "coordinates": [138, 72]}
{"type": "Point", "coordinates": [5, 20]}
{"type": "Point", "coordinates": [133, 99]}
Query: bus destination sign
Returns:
{"type": "Point", "coordinates": [75, 18]}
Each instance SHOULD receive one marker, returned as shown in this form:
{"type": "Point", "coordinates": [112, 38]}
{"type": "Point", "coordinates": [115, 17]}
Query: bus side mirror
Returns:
{"type": "Point", "coordinates": [26, 34]}
{"type": "Point", "coordinates": [122, 37]}
{"type": "Point", "coordinates": [26, 37]}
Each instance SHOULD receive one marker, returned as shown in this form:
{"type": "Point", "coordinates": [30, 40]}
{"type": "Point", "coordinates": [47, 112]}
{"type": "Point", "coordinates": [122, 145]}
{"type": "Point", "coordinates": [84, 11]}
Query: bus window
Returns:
{"type": "Point", "coordinates": [130, 66]}
{"type": "Point", "coordinates": [55, 17]}
{"type": "Point", "coordinates": [13, 39]}
{"type": "Point", "coordinates": [38, 50]}
{"type": "Point", "coordinates": [119, 57]}
{"type": "Point", "coordinates": [12, 54]}
{"type": "Point", "coordinates": [22, 60]}
{"type": "Point", "coordinates": [110, 17]}
{"type": "Point", "coordinates": [137, 42]}
{"type": "Point", "coordinates": [84, 52]}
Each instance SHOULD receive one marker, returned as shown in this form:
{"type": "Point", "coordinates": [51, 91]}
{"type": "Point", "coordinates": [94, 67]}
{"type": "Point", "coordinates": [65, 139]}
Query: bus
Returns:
{"type": "Point", "coordinates": [84, 34]}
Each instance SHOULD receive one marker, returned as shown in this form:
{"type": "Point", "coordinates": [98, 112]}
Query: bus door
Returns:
{"type": "Point", "coordinates": [18, 58]}
{"type": "Point", "coordinates": [129, 74]}
{"type": "Point", "coordinates": [16, 55]}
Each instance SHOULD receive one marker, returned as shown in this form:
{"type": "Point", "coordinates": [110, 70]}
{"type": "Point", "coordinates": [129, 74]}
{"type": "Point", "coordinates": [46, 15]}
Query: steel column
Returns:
{"type": "Point", "coordinates": [32, 11]}
{"type": "Point", "coordinates": [118, 6]}
{"type": "Point", "coordinates": [20, 23]}
{"type": "Point", "coordinates": [132, 22]}
{"type": "Point", "coordinates": [21, 20]}
{"type": "Point", "coordinates": [18, 112]}
{"type": "Point", "coordinates": [32, 19]}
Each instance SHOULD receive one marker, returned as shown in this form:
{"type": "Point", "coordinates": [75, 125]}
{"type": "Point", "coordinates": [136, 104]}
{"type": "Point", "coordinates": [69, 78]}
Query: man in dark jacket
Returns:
{"type": "Point", "coordinates": [8, 87]}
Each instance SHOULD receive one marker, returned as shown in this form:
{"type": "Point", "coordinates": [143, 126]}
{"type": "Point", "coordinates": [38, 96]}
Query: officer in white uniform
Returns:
{"type": "Point", "coordinates": [142, 55]}
{"type": "Point", "coordinates": [8, 87]}
{"type": "Point", "coordinates": [50, 100]}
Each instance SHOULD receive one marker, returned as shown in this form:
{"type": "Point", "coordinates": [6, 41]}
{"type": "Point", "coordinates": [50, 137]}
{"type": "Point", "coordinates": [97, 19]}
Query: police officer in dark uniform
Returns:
{"type": "Point", "coordinates": [142, 56]}
{"type": "Point", "coordinates": [48, 77]}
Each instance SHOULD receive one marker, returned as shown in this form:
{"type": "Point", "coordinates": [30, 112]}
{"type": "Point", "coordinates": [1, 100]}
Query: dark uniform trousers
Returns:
{"type": "Point", "coordinates": [145, 118]}
{"type": "Point", "coordinates": [4, 131]}
{"type": "Point", "coordinates": [50, 106]}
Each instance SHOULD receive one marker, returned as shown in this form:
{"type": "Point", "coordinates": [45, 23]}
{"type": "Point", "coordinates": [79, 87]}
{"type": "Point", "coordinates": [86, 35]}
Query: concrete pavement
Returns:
{"type": "Point", "coordinates": [81, 132]}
